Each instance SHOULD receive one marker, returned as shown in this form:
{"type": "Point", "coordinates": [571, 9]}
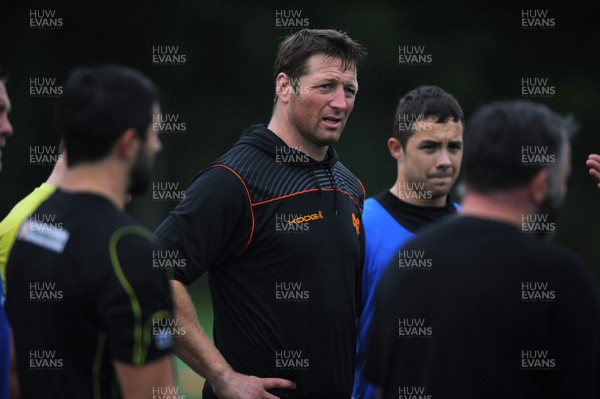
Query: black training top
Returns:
{"type": "Point", "coordinates": [492, 313]}
{"type": "Point", "coordinates": [279, 235]}
{"type": "Point", "coordinates": [83, 294]}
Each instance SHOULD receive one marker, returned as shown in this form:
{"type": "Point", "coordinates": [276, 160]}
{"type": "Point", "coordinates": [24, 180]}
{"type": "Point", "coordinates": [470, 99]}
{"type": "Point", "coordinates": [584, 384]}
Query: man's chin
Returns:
{"type": "Point", "coordinates": [328, 138]}
{"type": "Point", "coordinates": [440, 189]}
{"type": "Point", "coordinates": [437, 192]}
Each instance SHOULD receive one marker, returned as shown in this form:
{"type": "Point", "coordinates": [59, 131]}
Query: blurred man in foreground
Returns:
{"type": "Point", "coordinates": [83, 296]}
{"type": "Point", "coordinates": [499, 312]}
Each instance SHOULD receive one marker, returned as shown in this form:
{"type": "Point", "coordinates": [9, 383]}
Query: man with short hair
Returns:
{"type": "Point", "coordinates": [276, 224]}
{"type": "Point", "coordinates": [500, 312]}
{"type": "Point", "coordinates": [427, 146]}
{"type": "Point", "coordinates": [83, 322]}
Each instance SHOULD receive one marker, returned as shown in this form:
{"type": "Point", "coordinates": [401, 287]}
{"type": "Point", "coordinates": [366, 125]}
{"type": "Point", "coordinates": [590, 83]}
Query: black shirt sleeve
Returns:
{"type": "Point", "coordinates": [213, 222]}
{"type": "Point", "coordinates": [134, 298]}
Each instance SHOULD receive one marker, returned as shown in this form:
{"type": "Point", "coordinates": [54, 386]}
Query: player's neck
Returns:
{"type": "Point", "coordinates": [507, 207]}
{"type": "Point", "coordinates": [287, 132]}
{"type": "Point", "coordinates": [58, 172]}
{"type": "Point", "coordinates": [407, 192]}
{"type": "Point", "coordinates": [95, 179]}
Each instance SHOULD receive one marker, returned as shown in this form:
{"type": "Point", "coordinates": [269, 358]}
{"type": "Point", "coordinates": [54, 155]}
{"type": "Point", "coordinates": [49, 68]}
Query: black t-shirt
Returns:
{"type": "Point", "coordinates": [84, 292]}
{"type": "Point", "coordinates": [489, 313]}
{"type": "Point", "coordinates": [281, 244]}
{"type": "Point", "coordinates": [414, 217]}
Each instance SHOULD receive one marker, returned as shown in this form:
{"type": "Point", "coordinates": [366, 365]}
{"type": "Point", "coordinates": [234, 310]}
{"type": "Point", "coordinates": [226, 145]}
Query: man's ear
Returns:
{"type": "Point", "coordinates": [283, 87]}
{"type": "Point", "coordinates": [539, 186]}
{"type": "Point", "coordinates": [395, 149]}
{"type": "Point", "coordinates": [128, 144]}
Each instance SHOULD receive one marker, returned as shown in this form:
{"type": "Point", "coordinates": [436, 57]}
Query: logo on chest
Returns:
{"type": "Point", "coordinates": [295, 223]}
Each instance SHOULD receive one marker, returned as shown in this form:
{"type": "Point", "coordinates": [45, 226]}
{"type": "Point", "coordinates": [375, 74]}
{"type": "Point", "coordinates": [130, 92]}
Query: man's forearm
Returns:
{"type": "Point", "coordinates": [194, 347]}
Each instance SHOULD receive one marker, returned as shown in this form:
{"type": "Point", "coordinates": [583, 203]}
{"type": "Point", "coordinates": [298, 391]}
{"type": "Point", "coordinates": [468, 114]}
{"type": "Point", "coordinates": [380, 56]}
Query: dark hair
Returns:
{"type": "Point", "coordinates": [295, 50]}
{"type": "Point", "coordinates": [99, 105]}
{"type": "Point", "coordinates": [3, 74]}
{"type": "Point", "coordinates": [497, 136]}
{"type": "Point", "coordinates": [421, 103]}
